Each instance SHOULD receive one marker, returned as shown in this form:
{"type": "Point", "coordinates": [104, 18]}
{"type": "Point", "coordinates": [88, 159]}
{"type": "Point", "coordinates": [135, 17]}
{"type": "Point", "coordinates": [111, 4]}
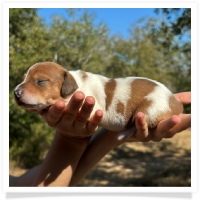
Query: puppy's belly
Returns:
{"type": "Point", "coordinates": [113, 121]}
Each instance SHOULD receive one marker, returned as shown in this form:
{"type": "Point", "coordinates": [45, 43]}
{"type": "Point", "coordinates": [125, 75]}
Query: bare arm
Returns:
{"type": "Point", "coordinates": [73, 132]}
{"type": "Point", "coordinates": [105, 140]}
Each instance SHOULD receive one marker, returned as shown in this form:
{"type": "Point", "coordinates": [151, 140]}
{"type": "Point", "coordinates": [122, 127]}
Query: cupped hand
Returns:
{"type": "Point", "coordinates": [166, 128]}
{"type": "Point", "coordinates": [74, 119]}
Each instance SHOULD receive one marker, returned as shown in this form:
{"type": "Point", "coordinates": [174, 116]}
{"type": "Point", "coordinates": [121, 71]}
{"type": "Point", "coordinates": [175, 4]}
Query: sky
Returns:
{"type": "Point", "coordinates": [118, 20]}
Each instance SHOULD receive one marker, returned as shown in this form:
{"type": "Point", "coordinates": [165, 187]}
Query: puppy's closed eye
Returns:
{"type": "Point", "coordinates": [120, 99]}
{"type": "Point", "coordinates": [41, 82]}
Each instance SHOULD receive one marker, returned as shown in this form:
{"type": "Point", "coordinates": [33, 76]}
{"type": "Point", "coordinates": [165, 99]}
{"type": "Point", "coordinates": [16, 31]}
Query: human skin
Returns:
{"type": "Point", "coordinates": [75, 149]}
{"type": "Point", "coordinates": [105, 140]}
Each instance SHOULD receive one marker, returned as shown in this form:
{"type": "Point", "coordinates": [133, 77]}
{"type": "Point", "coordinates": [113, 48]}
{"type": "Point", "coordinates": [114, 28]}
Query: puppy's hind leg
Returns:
{"type": "Point", "coordinates": [124, 135]}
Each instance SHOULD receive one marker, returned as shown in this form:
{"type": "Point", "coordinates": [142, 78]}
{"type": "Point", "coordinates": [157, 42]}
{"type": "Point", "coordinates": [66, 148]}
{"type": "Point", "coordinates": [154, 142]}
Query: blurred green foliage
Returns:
{"type": "Point", "coordinates": [156, 48]}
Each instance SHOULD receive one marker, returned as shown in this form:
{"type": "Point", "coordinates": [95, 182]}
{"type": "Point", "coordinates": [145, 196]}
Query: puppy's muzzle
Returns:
{"type": "Point", "coordinates": [27, 101]}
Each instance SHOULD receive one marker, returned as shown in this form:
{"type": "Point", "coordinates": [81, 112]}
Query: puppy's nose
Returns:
{"type": "Point", "coordinates": [18, 93]}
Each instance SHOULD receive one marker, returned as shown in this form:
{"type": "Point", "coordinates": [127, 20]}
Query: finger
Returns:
{"type": "Point", "coordinates": [72, 108]}
{"type": "Point", "coordinates": [183, 97]}
{"type": "Point", "coordinates": [164, 127]}
{"type": "Point", "coordinates": [141, 126]}
{"type": "Point", "coordinates": [94, 122]}
{"type": "Point", "coordinates": [185, 123]}
{"type": "Point", "coordinates": [84, 113]}
{"type": "Point", "coordinates": [54, 114]}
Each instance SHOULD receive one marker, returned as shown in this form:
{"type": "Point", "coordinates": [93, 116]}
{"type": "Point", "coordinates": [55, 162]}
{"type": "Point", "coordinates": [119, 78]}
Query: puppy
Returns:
{"type": "Point", "coordinates": [120, 99]}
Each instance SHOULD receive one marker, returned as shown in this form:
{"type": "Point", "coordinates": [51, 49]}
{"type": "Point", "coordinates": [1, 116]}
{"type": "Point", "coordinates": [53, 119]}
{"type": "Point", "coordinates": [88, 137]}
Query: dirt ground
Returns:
{"type": "Point", "coordinates": [167, 163]}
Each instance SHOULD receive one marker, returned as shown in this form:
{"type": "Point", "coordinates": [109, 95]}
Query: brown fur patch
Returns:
{"type": "Point", "coordinates": [137, 103]}
{"type": "Point", "coordinates": [69, 84]}
{"type": "Point", "coordinates": [120, 108]}
{"type": "Point", "coordinates": [110, 87]}
{"type": "Point", "coordinates": [50, 90]}
{"type": "Point", "coordinates": [175, 106]}
{"type": "Point", "coordinates": [84, 75]}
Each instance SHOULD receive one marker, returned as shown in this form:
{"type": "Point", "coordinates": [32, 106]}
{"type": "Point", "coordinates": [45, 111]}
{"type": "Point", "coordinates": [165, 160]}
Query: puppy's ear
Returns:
{"type": "Point", "coordinates": [69, 85]}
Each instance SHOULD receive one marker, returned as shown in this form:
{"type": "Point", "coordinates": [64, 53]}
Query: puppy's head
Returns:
{"type": "Point", "coordinates": [44, 84]}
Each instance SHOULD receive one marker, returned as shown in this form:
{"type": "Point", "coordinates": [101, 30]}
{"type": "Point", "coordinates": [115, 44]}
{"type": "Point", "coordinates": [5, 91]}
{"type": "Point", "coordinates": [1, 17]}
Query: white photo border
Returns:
{"type": "Point", "coordinates": [96, 4]}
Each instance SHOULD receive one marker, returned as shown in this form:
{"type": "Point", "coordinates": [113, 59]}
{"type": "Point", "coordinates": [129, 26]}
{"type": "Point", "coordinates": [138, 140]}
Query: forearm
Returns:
{"type": "Point", "coordinates": [26, 179]}
{"type": "Point", "coordinates": [99, 146]}
{"type": "Point", "coordinates": [106, 141]}
{"type": "Point", "coordinates": [61, 161]}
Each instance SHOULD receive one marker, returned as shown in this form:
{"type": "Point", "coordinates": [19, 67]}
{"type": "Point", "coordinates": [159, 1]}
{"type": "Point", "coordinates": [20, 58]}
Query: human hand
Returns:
{"type": "Point", "coordinates": [73, 119]}
{"type": "Point", "coordinates": [166, 128]}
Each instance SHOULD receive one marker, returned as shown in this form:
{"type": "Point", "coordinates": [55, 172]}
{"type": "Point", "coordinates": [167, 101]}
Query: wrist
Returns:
{"type": "Point", "coordinates": [70, 137]}
{"type": "Point", "coordinates": [66, 152]}
{"type": "Point", "coordinates": [110, 138]}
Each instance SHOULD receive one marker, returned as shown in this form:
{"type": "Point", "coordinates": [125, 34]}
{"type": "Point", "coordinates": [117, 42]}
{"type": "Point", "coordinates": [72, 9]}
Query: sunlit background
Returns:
{"type": "Point", "coordinates": [154, 43]}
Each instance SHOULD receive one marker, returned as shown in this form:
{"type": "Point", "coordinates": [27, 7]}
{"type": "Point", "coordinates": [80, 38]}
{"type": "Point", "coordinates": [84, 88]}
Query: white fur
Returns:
{"type": "Point", "coordinates": [160, 98]}
{"type": "Point", "coordinates": [112, 119]}
{"type": "Point", "coordinates": [94, 85]}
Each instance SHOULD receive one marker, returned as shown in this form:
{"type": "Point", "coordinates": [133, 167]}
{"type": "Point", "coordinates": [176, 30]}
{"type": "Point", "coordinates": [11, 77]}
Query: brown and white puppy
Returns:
{"type": "Point", "coordinates": [120, 99]}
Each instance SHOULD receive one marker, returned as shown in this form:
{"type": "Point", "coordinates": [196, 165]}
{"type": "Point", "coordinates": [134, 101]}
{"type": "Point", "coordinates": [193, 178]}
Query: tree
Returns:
{"type": "Point", "coordinates": [28, 44]}
{"type": "Point", "coordinates": [178, 24]}
{"type": "Point", "coordinates": [77, 43]}
{"type": "Point", "coordinates": [157, 49]}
